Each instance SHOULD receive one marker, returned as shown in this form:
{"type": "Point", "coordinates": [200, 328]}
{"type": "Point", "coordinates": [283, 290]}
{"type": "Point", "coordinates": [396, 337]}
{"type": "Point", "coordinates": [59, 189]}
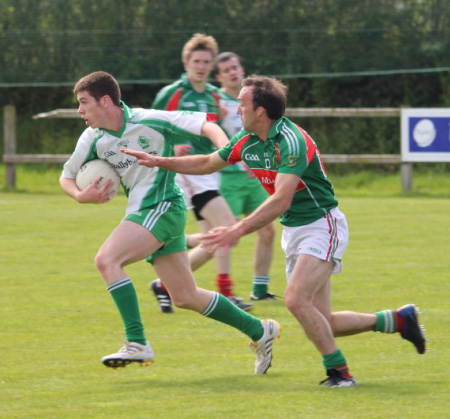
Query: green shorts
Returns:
{"type": "Point", "coordinates": [242, 194]}
{"type": "Point", "coordinates": [166, 221]}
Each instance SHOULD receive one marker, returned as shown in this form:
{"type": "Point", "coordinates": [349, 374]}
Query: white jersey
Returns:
{"type": "Point", "coordinates": [148, 130]}
{"type": "Point", "coordinates": [231, 124]}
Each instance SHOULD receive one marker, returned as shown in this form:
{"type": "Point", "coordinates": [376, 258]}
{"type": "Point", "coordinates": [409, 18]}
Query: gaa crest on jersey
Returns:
{"type": "Point", "coordinates": [292, 161]}
{"type": "Point", "coordinates": [123, 143]}
{"type": "Point", "coordinates": [143, 142]}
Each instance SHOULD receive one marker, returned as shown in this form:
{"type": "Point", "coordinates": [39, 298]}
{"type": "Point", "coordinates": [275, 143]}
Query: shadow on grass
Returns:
{"type": "Point", "coordinates": [237, 383]}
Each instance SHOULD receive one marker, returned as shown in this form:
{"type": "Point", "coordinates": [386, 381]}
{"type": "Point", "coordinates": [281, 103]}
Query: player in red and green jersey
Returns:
{"type": "Point", "coordinates": [287, 162]}
{"type": "Point", "coordinates": [283, 153]}
{"type": "Point", "coordinates": [192, 92]}
{"type": "Point", "coordinates": [182, 95]}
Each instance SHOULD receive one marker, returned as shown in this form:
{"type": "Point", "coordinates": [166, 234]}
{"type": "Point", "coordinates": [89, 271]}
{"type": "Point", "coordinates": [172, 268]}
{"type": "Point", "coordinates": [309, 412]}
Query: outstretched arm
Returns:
{"type": "Point", "coordinates": [271, 208]}
{"type": "Point", "coordinates": [200, 164]}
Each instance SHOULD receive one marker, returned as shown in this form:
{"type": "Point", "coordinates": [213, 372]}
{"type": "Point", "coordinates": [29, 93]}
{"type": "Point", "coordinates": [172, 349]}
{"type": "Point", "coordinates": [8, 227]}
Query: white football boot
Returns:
{"type": "Point", "coordinates": [128, 353]}
{"type": "Point", "coordinates": [263, 347]}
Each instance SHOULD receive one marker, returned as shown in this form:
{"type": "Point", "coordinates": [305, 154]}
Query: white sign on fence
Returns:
{"type": "Point", "coordinates": [425, 134]}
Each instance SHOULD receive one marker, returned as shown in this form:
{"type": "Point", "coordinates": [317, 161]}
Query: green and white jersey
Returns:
{"type": "Point", "coordinates": [180, 95]}
{"type": "Point", "coordinates": [146, 130]}
{"type": "Point", "coordinates": [231, 124]}
{"type": "Point", "coordinates": [288, 149]}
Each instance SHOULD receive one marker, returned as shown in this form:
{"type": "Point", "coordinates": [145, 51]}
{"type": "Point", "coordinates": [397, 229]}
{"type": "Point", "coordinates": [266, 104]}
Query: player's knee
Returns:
{"type": "Point", "coordinates": [182, 301]}
{"type": "Point", "coordinates": [291, 302]}
{"type": "Point", "coordinates": [186, 298]}
{"type": "Point", "coordinates": [193, 240]}
{"type": "Point", "coordinates": [102, 261]}
{"type": "Point", "coordinates": [267, 233]}
{"type": "Point", "coordinates": [295, 303]}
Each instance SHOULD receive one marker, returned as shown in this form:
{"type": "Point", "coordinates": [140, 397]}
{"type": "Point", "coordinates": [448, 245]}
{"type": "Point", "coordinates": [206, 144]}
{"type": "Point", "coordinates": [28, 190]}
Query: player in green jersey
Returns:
{"type": "Point", "coordinates": [153, 227]}
{"type": "Point", "coordinates": [287, 162]}
{"type": "Point", "coordinates": [238, 185]}
{"type": "Point", "coordinates": [192, 92]}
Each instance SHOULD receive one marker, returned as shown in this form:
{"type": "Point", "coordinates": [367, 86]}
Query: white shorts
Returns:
{"type": "Point", "coordinates": [326, 239]}
{"type": "Point", "coordinates": [196, 184]}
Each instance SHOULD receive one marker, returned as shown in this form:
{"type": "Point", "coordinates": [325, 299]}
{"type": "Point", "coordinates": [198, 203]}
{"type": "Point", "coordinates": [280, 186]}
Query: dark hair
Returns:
{"type": "Point", "coordinates": [99, 84]}
{"type": "Point", "coordinates": [224, 56]}
{"type": "Point", "coordinates": [269, 93]}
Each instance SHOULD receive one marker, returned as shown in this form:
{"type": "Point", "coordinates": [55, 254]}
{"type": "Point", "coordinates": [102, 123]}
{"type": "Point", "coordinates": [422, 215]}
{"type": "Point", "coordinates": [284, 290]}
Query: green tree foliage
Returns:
{"type": "Point", "coordinates": [331, 53]}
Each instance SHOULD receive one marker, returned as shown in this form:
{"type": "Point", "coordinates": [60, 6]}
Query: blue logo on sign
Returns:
{"type": "Point", "coordinates": [429, 134]}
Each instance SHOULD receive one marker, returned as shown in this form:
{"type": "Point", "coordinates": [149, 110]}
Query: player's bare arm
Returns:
{"type": "Point", "coordinates": [278, 203]}
{"type": "Point", "coordinates": [200, 164]}
{"type": "Point", "coordinates": [89, 195]}
{"type": "Point", "coordinates": [273, 207]}
{"type": "Point", "coordinates": [215, 134]}
{"type": "Point", "coordinates": [210, 130]}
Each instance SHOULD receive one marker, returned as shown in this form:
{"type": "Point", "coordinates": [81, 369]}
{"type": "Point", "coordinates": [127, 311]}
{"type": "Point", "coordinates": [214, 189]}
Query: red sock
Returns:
{"type": "Point", "coordinates": [162, 286]}
{"type": "Point", "coordinates": [400, 321]}
{"type": "Point", "coordinates": [343, 369]}
{"type": "Point", "coordinates": [224, 284]}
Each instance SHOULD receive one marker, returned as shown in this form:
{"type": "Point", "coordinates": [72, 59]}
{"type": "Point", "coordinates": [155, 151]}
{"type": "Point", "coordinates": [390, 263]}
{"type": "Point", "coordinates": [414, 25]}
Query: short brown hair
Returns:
{"type": "Point", "coordinates": [199, 42]}
{"type": "Point", "coordinates": [99, 84]}
{"type": "Point", "coordinates": [269, 93]}
{"type": "Point", "coordinates": [225, 56]}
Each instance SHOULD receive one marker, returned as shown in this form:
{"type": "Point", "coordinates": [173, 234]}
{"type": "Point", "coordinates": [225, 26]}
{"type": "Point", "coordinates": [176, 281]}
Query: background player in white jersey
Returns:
{"type": "Point", "coordinates": [192, 92]}
{"type": "Point", "coordinates": [153, 227]}
{"type": "Point", "coordinates": [287, 162]}
{"type": "Point", "coordinates": [238, 185]}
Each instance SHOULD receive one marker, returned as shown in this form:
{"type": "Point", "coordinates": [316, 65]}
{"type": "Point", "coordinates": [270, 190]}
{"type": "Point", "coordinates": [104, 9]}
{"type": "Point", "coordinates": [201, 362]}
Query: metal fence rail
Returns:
{"type": "Point", "coordinates": [11, 158]}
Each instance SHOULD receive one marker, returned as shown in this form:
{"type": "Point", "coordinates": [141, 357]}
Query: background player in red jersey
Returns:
{"type": "Point", "coordinates": [192, 92]}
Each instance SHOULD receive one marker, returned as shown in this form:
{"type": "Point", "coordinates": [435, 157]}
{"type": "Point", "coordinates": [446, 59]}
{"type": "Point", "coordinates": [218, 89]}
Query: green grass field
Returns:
{"type": "Point", "coordinates": [57, 319]}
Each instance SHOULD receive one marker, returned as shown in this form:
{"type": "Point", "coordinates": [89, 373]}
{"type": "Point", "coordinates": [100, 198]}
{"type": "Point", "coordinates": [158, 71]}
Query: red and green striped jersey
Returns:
{"type": "Point", "coordinates": [180, 95]}
{"type": "Point", "coordinates": [288, 149]}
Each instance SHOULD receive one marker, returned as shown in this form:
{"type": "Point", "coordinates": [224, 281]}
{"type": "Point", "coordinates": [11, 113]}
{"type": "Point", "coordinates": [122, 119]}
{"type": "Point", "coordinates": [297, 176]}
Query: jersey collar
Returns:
{"type": "Point", "coordinates": [185, 81]}
{"type": "Point", "coordinates": [128, 113]}
{"type": "Point", "coordinates": [187, 84]}
{"type": "Point", "coordinates": [275, 129]}
{"type": "Point", "coordinates": [227, 96]}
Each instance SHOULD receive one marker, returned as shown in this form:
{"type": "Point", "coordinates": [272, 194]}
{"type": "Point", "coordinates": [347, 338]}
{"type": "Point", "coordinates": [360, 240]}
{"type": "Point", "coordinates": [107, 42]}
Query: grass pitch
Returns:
{"type": "Point", "coordinates": [57, 319]}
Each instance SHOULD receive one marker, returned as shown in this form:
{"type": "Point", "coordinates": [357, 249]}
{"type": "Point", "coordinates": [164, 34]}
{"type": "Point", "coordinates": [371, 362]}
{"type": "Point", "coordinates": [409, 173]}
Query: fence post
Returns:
{"type": "Point", "coordinates": [407, 176]}
{"type": "Point", "coordinates": [9, 135]}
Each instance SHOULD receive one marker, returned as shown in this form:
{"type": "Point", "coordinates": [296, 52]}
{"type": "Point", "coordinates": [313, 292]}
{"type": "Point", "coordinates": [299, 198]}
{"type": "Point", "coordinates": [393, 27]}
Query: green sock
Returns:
{"type": "Point", "coordinates": [223, 310]}
{"type": "Point", "coordinates": [336, 361]}
{"type": "Point", "coordinates": [386, 322]}
{"type": "Point", "coordinates": [124, 295]}
{"type": "Point", "coordinates": [260, 285]}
